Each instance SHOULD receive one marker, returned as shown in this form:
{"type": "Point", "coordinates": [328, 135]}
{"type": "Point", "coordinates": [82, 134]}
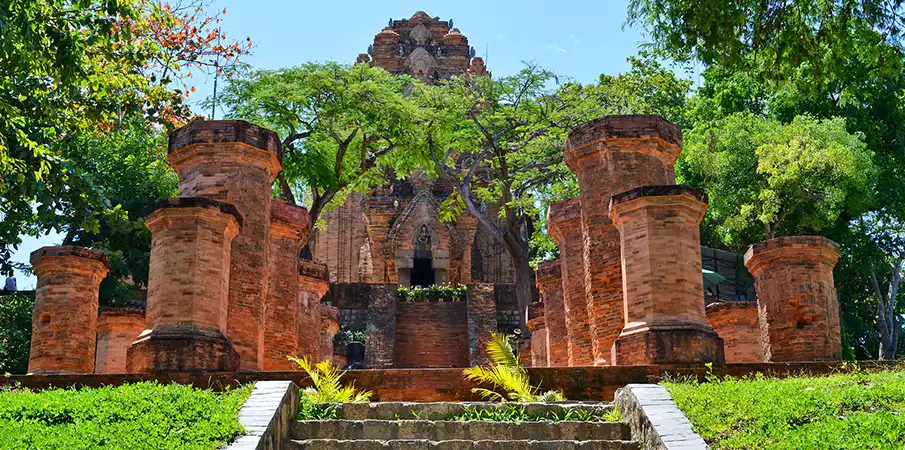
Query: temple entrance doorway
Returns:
{"type": "Point", "coordinates": [422, 272]}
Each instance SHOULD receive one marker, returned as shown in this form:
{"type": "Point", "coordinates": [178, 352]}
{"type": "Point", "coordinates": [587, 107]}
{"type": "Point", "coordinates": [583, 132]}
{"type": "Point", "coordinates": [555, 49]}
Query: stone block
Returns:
{"type": "Point", "coordinates": [481, 321]}
{"type": "Point", "coordinates": [550, 285]}
{"type": "Point", "coordinates": [381, 326]}
{"type": "Point", "coordinates": [737, 325]}
{"type": "Point", "coordinates": [312, 285]}
{"type": "Point", "coordinates": [117, 329]}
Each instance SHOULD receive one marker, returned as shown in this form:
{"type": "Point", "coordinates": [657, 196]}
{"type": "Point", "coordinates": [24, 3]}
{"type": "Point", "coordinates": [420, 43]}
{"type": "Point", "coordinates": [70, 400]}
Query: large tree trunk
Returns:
{"type": "Point", "coordinates": [887, 322]}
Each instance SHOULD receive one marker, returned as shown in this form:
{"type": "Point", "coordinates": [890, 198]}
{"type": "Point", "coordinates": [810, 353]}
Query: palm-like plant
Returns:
{"type": "Point", "coordinates": [508, 375]}
{"type": "Point", "coordinates": [326, 387]}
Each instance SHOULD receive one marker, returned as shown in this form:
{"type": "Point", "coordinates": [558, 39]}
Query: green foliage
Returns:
{"type": "Point", "coordinates": [311, 410]}
{"type": "Point", "coordinates": [435, 293]}
{"type": "Point", "coordinates": [517, 414]}
{"type": "Point", "coordinates": [326, 384]}
{"type": "Point", "coordinates": [844, 411]}
{"type": "Point", "coordinates": [346, 336]}
{"type": "Point", "coordinates": [140, 415]}
{"type": "Point", "coordinates": [508, 375]}
{"type": "Point", "coordinates": [766, 179]}
{"type": "Point", "coordinates": [15, 331]}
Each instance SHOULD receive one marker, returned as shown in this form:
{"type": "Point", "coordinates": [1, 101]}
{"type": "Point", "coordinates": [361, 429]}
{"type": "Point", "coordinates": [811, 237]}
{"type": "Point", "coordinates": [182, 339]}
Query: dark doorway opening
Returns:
{"type": "Point", "coordinates": [422, 272]}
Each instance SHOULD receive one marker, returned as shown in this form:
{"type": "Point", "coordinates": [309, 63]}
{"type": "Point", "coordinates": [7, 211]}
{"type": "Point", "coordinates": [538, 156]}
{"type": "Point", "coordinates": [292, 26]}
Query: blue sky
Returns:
{"type": "Point", "coordinates": [578, 39]}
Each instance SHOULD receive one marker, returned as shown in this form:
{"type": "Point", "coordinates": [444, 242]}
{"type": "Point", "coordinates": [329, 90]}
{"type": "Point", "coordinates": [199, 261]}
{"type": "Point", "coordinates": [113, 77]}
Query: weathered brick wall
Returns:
{"type": "Point", "coordinates": [188, 285]}
{"type": "Point", "coordinates": [661, 272]}
{"type": "Point", "coordinates": [425, 48]}
{"type": "Point", "coordinates": [564, 226]}
{"type": "Point", "coordinates": [288, 233]}
{"type": "Point", "coordinates": [329, 327]}
{"type": "Point", "coordinates": [482, 323]}
{"type": "Point", "coordinates": [431, 334]}
{"type": "Point", "coordinates": [236, 162]}
{"type": "Point", "coordinates": [117, 329]}
{"type": "Point", "coordinates": [549, 282]}
{"type": "Point", "coordinates": [339, 244]}
{"type": "Point", "coordinates": [736, 323]}
{"type": "Point", "coordinates": [539, 347]}
{"type": "Point", "coordinates": [610, 155]}
{"type": "Point", "coordinates": [796, 296]}
{"type": "Point", "coordinates": [381, 328]}
{"type": "Point", "coordinates": [64, 322]}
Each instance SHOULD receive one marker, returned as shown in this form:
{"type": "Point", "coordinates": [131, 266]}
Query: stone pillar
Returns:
{"type": "Point", "coordinates": [381, 327]}
{"type": "Point", "coordinates": [796, 298]}
{"type": "Point", "coordinates": [467, 227]}
{"type": "Point", "coordinates": [737, 325]}
{"type": "Point", "coordinates": [379, 211]}
{"type": "Point", "coordinates": [610, 155]}
{"type": "Point", "coordinates": [665, 322]}
{"type": "Point", "coordinates": [538, 328]}
{"type": "Point", "coordinates": [313, 282]}
{"type": "Point", "coordinates": [482, 323]}
{"type": "Point", "coordinates": [549, 283]}
{"type": "Point", "coordinates": [329, 328]}
{"type": "Point", "coordinates": [288, 233]}
{"type": "Point", "coordinates": [188, 287]}
{"type": "Point", "coordinates": [117, 329]}
{"type": "Point", "coordinates": [64, 322]}
{"type": "Point", "coordinates": [236, 162]}
{"type": "Point", "coordinates": [564, 226]}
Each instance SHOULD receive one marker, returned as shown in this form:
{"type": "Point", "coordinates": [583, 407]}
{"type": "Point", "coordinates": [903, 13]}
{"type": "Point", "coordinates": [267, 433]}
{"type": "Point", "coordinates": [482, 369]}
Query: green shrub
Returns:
{"type": "Point", "coordinates": [845, 411]}
{"type": "Point", "coordinates": [433, 293]}
{"type": "Point", "coordinates": [134, 416]}
{"type": "Point", "coordinates": [15, 331]}
{"type": "Point", "coordinates": [508, 375]}
{"type": "Point", "coordinates": [518, 414]}
{"type": "Point", "coordinates": [325, 378]}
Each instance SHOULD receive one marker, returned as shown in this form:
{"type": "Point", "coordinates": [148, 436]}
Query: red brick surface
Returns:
{"type": "Point", "coordinates": [329, 319]}
{"type": "Point", "coordinates": [64, 322]}
{"type": "Point", "coordinates": [610, 155]}
{"type": "Point", "coordinates": [288, 233]}
{"type": "Point", "coordinates": [431, 334]}
{"type": "Point", "coordinates": [564, 226]}
{"type": "Point", "coordinates": [312, 280]}
{"type": "Point", "coordinates": [117, 328]}
{"type": "Point", "coordinates": [796, 296]}
{"type": "Point", "coordinates": [539, 345]}
{"type": "Point", "coordinates": [188, 285]}
{"type": "Point", "coordinates": [736, 323]}
{"type": "Point", "coordinates": [665, 322]}
{"type": "Point", "coordinates": [482, 321]}
{"type": "Point", "coordinates": [550, 285]}
{"type": "Point", "coordinates": [236, 162]}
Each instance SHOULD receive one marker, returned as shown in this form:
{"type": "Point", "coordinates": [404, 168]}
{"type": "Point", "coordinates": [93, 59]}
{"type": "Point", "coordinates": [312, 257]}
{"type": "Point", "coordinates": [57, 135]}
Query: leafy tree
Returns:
{"type": "Point", "coordinates": [15, 331]}
{"type": "Point", "coordinates": [85, 67]}
{"type": "Point", "coordinates": [340, 125]}
{"type": "Point", "coordinates": [766, 179]}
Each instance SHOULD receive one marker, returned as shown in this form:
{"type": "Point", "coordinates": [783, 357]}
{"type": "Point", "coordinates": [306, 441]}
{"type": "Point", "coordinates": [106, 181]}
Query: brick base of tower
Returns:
{"type": "Point", "coordinates": [681, 344]}
{"type": "Point", "coordinates": [182, 349]}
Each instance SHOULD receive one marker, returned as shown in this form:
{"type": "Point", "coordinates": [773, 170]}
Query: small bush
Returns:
{"type": "Point", "coordinates": [133, 416]}
{"type": "Point", "coordinates": [508, 375]}
{"type": "Point", "coordinates": [518, 414]}
{"type": "Point", "coordinates": [433, 293]}
{"type": "Point", "coordinates": [15, 331]}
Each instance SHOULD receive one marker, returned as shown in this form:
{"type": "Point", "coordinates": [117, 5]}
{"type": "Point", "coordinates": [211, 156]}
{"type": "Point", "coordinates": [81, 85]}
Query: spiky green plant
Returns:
{"type": "Point", "coordinates": [326, 387]}
{"type": "Point", "coordinates": [507, 375]}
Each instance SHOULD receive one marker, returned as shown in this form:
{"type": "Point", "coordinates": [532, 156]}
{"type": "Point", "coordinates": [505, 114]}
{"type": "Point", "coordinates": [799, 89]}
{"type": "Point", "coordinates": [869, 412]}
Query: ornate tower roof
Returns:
{"type": "Point", "coordinates": [424, 47]}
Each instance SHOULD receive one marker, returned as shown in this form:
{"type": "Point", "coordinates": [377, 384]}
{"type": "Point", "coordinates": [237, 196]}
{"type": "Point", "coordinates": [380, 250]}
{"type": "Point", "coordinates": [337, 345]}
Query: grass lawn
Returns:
{"type": "Point", "coordinates": [133, 416]}
{"type": "Point", "coordinates": [863, 410]}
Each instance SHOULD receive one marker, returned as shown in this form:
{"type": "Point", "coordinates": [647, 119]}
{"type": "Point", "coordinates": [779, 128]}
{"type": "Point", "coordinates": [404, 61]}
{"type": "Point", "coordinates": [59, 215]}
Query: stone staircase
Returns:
{"type": "Point", "coordinates": [367, 426]}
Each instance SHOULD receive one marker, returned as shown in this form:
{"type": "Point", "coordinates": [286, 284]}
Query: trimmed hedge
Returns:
{"type": "Point", "coordinates": [144, 415]}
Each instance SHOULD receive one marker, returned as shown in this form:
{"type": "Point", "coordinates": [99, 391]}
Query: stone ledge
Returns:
{"type": "Point", "coordinates": [657, 191]}
{"type": "Point", "coordinates": [791, 248]}
{"type": "Point", "coordinates": [225, 131]}
{"type": "Point", "coordinates": [194, 202]}
{"type": "Point", "coordinates": [267, 416]}
{"type": "Point", "coordinates": [69, 250]}
{"type": "Point", "coordinates": [655, 420]}
{"type": "Point", "coordinates": [639, 126]}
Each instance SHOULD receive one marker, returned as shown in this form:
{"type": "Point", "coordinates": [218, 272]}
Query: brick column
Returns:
{"type": "Point", "coordinates": [564, 226]}
{"type": "Point", "coordinates": [288, 233]}
{"type": "Point", "coordinates": [188, 286]}
{"type": "Point", "coordinates": [313, 282]}
{"type": "Point", "coordinates": [610, 155]}
{"type": "Point", "coordinates": [665, 322]}
{"type": "Point", "coordinates": [549, 283]}
{"type": "Point", "coordinates": [64, 322]}
{"type": "Point", "coordinates": [379, 211]}
{"type": "Point", "coordinates": [235, 162]}
{"type": "Point", "coordinates": [381, 326]}
{"type": "Point", "coordinates": [481, 308]}
{"type": "Point", "coordinates": [467, 227]}
{"type": "Point", "coordinates": [329, 328]}
{"type": "Point", "coordinates": [737, 325]}
{"type": "Point", "coordinates": [117, 329]}
{"type": "Point", "coordinates": [796, 298]}
{"type": "Point", "coordinates": [538, 328]}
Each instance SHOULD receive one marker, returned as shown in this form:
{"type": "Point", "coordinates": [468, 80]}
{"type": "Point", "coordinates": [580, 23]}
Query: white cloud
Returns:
{"type": "Point", "coordinates": [555, 48]}
{"type": "Point", "coordinates": [575, 39]}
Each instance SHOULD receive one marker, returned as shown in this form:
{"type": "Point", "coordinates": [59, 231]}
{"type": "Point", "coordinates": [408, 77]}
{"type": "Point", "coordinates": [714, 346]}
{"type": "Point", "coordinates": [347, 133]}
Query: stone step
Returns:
{"type": "Point", "coordinates": [443, 410]}
{"type": "Point", "coordinates": [419, 444]}
{"type": "Point", "coordinates": [444, 430]}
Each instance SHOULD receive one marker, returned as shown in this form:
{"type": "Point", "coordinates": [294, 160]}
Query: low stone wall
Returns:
{"type": "Point", "coordinates": [578, 383]}
{"type": "Point", "coordinates": [431, 334]}
{"type": "Point", "coordinates": [737, 324]}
